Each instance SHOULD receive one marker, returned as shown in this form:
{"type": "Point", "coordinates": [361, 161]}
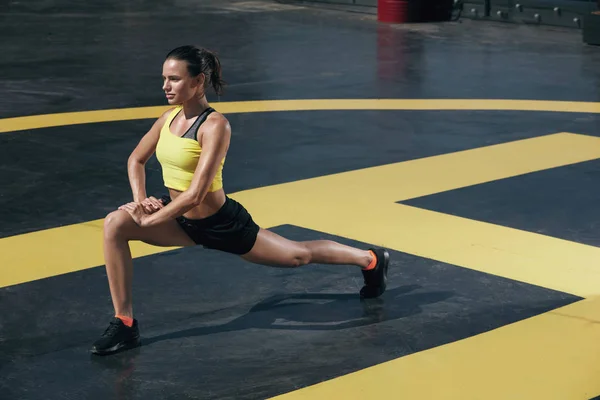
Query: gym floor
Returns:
{"type": "Point", "coordinates": [469, 149]}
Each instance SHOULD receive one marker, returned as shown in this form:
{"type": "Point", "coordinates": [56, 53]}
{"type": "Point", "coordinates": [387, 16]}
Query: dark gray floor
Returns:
{"type": "Point", "coordinates": [78, 174]}
{"type": "Point", "coordinates": [214, 326]}
{"type": "Point", "coordinates": [74, 56]}
{"type": "Point", "coordinates": [560, 202]}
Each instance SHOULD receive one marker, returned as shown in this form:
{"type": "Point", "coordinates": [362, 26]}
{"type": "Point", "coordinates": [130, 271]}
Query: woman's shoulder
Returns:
{"type": "Point", "coordinates": [216, 126]}
{"type": "Point", "coordinates": [167, 114]}
{"type": "Point", "coordinates": [217, 120]}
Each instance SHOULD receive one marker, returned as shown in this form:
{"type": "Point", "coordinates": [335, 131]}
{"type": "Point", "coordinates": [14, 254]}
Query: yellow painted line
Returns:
{"type": "Point", "coordinates": [416, 178]}
{"type": "Point", "coordinates": [504, 251]}
{"type": "Point", "coordinates": [46, 253]}
{"type": "Point", "coordinates": [554, 355]}
{"type": "Point", "coordinates": [82, 117]}
{"type": "Point", "coordinates": [56, 251]}
{"type": "Point", "coordinates": [550, 356]}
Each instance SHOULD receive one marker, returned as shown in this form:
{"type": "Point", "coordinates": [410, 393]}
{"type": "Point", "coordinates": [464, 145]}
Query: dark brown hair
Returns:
{"type": "Point", "coordinates": [200, 61]}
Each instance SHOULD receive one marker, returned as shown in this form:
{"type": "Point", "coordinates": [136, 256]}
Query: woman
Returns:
{"type": "Point", "coordinates": [191, 142]}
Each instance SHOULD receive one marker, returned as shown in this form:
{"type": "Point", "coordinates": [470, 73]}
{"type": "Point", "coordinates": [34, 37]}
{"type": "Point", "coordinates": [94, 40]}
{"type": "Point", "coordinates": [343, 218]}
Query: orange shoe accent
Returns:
{"type": "Point", "coordinates": [126, 320]}
{"type": "Point", "coordinates": [373, 261]}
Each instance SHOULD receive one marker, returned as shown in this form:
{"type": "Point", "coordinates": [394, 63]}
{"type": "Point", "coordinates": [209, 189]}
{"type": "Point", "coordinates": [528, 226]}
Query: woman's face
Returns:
{"type": "Point", "coordinates": [178, 85]}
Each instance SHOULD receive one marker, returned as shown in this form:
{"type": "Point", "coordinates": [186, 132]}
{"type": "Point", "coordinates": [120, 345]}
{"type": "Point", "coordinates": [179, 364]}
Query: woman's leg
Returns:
{"type": "Point", "coordinates": [274, 250]}
{"type": "Point", "coordinates": [119, 229]}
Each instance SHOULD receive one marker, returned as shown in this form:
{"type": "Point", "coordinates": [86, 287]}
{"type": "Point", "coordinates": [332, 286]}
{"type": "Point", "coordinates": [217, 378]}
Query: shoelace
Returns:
{"type": "Point", "coordinates": [112, 328]}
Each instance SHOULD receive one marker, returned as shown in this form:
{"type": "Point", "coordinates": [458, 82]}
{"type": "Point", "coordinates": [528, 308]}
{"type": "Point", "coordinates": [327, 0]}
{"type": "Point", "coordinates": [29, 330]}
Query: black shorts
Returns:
{"type": "Point", "coordinates": [231, 229]}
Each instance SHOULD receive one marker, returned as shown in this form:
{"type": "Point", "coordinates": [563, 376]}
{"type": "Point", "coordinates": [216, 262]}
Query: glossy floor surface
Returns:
{"type": "Point", "coordinates": [490, 213]}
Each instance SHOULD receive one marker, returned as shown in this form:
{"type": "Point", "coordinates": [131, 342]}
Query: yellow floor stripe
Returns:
{"type": "Point", "coordinates": [554, 355]}
{"type": "Point", "coordinates": [425, 176]}
{"type": "Point", "coordinates": [551, 356]}
{"type": "Point", "coordinates": [515, 254]}
{"type": "Point", "coordinates": [77, 247]}
{"type": "Point", "coordinates": [81, 117]}
{"type": "Point", "coordinates": [56, 251]}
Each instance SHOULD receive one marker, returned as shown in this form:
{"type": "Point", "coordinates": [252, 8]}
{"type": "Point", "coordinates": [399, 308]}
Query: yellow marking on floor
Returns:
{"type": "Point", "coordinates": [550, 356]}
{"type": "Point", "coordinates": [81, 117]}
{"type": "Point", "coordinates": [502, 251]}
{"type": "Point", "coordinates": [553, 355]}
{"type": "Point", "coordinates": [416, 178]}
{"type": "Point", "coordinates": [57, 251]}
{"type": "Point", "coordinates": [330, 204]}
{"type": "Point", "coordinates": [46, 253]}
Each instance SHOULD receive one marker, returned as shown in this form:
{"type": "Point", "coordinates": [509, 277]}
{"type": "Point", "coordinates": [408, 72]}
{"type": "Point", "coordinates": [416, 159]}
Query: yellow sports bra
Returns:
{"type": "Point", "coordinates": [179, 156]}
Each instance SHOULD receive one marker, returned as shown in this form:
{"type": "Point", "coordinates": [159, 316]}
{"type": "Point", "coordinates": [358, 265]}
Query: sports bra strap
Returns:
{"type": "Point", "coordinates": [193, 131]}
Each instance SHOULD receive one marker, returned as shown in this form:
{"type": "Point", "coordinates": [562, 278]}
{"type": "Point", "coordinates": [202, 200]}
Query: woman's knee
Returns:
{"type": "Point", "coordinates": [276, 251]}
{"type": "Point", "coordinates": [301, 256]}
{"type": "Point", "coordinates": [115, 223]}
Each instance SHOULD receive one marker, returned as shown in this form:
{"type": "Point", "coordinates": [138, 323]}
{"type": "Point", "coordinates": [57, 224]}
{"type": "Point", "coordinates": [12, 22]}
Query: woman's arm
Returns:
{"type": "Point", "coordinates": [140, 155]}
{"type": "Point", "coordinates": [215, 143]}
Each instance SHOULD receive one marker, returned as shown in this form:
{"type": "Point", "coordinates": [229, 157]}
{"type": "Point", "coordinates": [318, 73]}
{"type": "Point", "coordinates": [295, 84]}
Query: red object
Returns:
{"type": "Point", "coordinates": [394, 11]}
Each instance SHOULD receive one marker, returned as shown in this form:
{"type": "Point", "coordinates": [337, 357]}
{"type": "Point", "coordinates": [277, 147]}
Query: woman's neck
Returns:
{"type": "Point", "coordinates": [195, 106]}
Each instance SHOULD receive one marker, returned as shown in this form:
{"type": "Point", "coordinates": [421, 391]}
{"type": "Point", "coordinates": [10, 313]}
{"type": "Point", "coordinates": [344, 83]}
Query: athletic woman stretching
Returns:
{"type": "Point", "coordinates": [191, 141]}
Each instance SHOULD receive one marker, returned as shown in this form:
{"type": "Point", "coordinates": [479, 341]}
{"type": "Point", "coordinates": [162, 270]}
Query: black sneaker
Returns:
{"type": "Point", "coordinates": [376, 278]}
{"type": "Point", "coordinates": [117, 337]}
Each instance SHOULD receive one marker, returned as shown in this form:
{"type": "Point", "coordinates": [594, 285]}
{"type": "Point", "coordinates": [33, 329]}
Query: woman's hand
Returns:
{"type": "Point", "coordinates": [152, 205]}
{"type": "Point", "coordinates": [137, 212]}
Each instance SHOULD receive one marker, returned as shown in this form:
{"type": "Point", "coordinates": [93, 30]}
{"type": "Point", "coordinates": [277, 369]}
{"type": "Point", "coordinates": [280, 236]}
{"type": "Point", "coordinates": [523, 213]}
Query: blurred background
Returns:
{"type": "Point", "coordinates": [569, 13]}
